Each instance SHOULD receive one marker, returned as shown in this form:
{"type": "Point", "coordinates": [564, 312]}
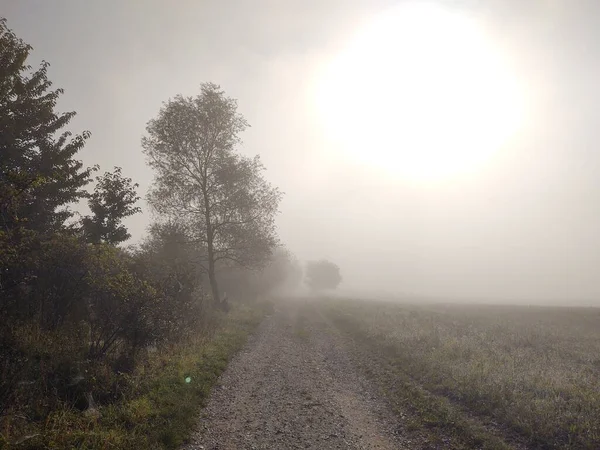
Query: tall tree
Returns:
{"type": "Point", "coordinates": [201, 180]}
{"type": "Point", "coordinates": [113, 200]}
{"type": "Point", "coordinates": [39, 176]}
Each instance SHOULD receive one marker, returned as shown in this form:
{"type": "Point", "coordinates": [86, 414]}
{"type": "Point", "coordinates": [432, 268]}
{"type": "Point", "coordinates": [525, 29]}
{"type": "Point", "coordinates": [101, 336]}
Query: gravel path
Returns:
{"type": "Point", "coordinates": [295, 386]}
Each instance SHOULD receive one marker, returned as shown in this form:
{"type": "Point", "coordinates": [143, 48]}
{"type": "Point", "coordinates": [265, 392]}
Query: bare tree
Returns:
{"type": "Point", "coordinates": [200, 180]}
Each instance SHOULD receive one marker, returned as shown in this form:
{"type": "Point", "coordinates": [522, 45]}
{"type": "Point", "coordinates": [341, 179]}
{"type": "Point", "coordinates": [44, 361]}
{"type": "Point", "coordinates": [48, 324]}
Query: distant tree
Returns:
{"type": "Point", "coordinates": [39, 176]}
{"type": "Point", "coordinates": [113, 200]}
{"type": "Point", "coordinates": [221, 196]}
{"type": "Point", "coordinates": [321, 275]}
{"type": "Point", "coordinates": [283, 273]}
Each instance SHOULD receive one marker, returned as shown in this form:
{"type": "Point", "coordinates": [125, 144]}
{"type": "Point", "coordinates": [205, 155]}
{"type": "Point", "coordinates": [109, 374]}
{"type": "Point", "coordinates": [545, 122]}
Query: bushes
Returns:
{"type": "Point", "coordinates": [156, 407]}
{"type": "Point", "coordinates": [122, 308]}
{"type": "Point", "coordinates": [79, 316]}
{"type": "Point", "coordinates": [168, 259]}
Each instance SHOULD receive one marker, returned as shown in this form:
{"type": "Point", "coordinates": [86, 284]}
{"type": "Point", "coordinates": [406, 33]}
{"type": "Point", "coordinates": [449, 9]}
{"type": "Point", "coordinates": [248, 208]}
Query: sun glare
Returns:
{"type": "Point", "coordinates": [420, 92]}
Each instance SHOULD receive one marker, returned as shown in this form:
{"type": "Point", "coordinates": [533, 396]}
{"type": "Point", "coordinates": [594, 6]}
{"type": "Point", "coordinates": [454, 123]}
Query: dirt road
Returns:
{"type": "Point", "coordinates": [295, 385]}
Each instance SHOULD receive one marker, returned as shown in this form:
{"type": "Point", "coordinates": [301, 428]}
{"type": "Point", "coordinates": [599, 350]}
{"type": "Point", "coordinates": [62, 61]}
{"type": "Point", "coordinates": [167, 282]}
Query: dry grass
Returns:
{"type": "Point", "coordinates": [534, 371]}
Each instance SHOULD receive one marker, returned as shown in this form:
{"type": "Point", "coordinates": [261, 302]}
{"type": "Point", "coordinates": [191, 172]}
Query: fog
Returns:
{"type": "Point", "coordinates": [522, 227]}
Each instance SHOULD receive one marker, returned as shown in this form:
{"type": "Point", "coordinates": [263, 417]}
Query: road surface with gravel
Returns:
{"type": "Point", "coordinates": [296, 385]}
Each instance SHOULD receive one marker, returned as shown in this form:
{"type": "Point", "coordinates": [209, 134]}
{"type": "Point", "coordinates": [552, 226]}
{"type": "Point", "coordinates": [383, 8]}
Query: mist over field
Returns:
{"type": "Point", "coordinates": [519, 225]}
{"type": "Point", "coordinates": [336, 224]}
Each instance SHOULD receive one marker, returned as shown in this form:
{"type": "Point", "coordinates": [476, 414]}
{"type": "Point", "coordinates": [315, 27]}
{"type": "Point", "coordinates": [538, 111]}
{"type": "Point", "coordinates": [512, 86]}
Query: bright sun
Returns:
{"type": "Point", "coordinates": [420, 92]}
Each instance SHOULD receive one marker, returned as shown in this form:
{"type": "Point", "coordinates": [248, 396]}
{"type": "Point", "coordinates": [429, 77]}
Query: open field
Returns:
{"type": "Point", "coordinates": [529, 374]}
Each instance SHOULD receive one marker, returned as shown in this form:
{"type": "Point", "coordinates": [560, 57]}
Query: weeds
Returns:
{"type": "Point", "coordinates": [160, 407]}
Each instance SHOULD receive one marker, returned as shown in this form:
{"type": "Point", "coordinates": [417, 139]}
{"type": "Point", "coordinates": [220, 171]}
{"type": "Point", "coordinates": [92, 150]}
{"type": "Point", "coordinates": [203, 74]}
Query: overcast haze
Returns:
{"type": "Point", "coordinates": [524, 226]}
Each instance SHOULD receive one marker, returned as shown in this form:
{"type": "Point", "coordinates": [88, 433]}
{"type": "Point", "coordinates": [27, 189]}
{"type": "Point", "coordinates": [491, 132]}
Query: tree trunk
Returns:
{"type": "Point", "coordinates": [212, 277]}
{"type": "Point", "coordinates": [211, 253]}
{"type": "Point", "coordinates": [213, 284]}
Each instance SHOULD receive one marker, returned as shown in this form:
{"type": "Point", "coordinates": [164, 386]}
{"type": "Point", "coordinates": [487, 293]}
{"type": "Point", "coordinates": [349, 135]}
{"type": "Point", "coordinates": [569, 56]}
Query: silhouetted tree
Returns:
{"type": "Point", "coordinates": [222, 197]}
{"type": "Point", "coordinates": [38, 174]}
{"type": "Point", "coordinates": [113, 199]}
{"type": "Point", "coordinates": [323, 274]}
{"type": "Point", "coordinates": [70, 310]}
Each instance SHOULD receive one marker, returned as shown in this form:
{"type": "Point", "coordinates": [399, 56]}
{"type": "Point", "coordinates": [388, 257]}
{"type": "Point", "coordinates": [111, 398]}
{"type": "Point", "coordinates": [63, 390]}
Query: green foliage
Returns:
{"type": "Point", "coordinates": [113, 200]}
{"type": "Point", "coordinates": [42, 280]}
{"type": "Point", "coordinates": [323, 274]}
{"type": "Point", "coordinates": [123, 308]}
{"type": "Point", "coordinates": [171, 261]}
{"type": "Point", "coordinates": [87, 313]}
{"type": "Point", "coordinates": [157, 408]}
{"type": "Point", "coordinates": [38, 172]}
{"type": "Point", "coordinates": [84, 320]}
{"type": "Point", "coordinates": [221, 196]}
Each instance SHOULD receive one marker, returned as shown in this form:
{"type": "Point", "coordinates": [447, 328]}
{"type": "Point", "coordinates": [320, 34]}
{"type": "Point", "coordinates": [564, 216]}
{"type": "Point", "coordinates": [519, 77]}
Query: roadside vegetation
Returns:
{"type": "Point", "coordinates": [107, 346]}
{"type": "Point", "coordinates": [159, 402]}
{"type": "Point", "coordinates": [492, 376]}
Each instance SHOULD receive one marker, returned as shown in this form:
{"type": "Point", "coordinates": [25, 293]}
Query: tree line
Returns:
{"type": "Point", "coordinates": [77, 307]}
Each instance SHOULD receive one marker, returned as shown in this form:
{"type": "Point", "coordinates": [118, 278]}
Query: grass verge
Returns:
{"type": "Point", "coordinates": [166, 397]}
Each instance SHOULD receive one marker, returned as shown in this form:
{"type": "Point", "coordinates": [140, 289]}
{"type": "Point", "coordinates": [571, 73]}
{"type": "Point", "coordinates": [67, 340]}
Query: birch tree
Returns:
{"type": "Point", "coordinates": [201, 181]}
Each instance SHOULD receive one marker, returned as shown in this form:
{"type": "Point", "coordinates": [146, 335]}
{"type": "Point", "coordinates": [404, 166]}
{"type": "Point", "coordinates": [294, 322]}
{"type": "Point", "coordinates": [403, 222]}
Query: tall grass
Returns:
{"type": "Point", "coordinates": [533, 370]}
{"type": "Point", "coordinates": [160, 400]}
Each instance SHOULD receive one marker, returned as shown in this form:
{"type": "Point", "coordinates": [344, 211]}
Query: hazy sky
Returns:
{"type": "Point", "coordinates": [524, 226]}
